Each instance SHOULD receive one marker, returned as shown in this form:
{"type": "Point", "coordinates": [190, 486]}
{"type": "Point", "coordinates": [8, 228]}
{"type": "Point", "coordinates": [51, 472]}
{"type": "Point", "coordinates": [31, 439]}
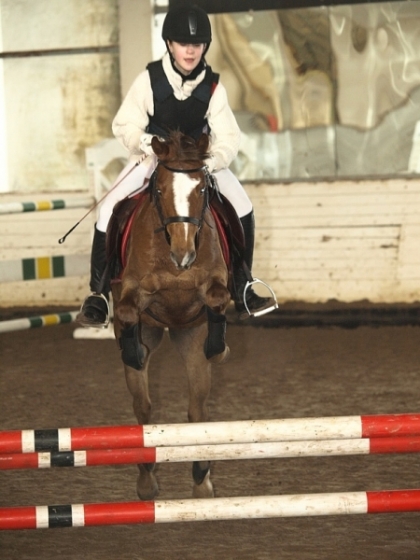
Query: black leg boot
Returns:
{"type": "Point", "coordinates": [255, 303]}
{"type": "Point", "coordinates": [95, 310]}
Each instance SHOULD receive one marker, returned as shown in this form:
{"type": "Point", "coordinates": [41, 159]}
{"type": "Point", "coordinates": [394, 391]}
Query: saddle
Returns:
{"type": "Point", "coordinates": [229, 228]}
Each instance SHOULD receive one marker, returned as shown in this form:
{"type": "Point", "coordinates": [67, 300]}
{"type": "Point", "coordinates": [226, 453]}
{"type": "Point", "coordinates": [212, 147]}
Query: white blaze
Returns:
{"type": "Point", "coordinates": [183, 186]}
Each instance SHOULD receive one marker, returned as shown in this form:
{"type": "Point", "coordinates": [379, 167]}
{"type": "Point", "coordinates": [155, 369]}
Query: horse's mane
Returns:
{"type": "Point", "coordinates": [183, 148]}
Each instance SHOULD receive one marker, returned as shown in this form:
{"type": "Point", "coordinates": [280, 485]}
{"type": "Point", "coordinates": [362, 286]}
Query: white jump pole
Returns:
{"type": "Point", "coordinates": [172, 511]}
{"type": "Point", "coordinates": [209, 433]}
{"type": "Point", "coordinates": [218, 452]}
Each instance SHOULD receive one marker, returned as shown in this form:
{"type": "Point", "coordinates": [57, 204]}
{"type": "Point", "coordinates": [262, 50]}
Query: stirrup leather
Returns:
{"type": "Point", "coordinates": [261, 312]}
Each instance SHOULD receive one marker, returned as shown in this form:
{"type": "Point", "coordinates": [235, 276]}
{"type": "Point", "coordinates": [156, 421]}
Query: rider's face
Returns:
{"type": "Point", "coordinates": [186, 56]}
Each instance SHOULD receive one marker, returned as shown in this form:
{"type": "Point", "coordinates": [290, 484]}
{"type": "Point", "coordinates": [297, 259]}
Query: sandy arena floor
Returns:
{"type": "Point", "coordinates": [50, 380]}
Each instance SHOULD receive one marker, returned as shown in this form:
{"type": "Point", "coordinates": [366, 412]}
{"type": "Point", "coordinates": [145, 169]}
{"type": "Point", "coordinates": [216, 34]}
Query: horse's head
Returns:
{"type": "Point", "coordinates": [180, 192]}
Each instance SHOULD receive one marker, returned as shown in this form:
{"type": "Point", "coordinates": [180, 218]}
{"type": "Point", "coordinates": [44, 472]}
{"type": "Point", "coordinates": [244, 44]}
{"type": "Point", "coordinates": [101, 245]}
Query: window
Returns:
{"type": "Point", "coordinates": [323, 92]}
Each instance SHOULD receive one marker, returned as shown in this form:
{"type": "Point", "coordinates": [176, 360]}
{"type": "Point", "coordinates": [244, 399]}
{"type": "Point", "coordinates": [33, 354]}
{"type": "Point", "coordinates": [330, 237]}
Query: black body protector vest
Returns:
{"type": "Point", "coordinates": [188, 116]}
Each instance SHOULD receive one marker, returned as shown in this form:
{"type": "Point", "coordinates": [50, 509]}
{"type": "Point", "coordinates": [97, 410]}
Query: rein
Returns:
{"type": "Point", "coordinates": [179, 219]}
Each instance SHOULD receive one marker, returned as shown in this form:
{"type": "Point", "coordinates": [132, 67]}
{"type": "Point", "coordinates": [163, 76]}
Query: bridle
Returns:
{"type": "Point", "coordinates": [179, 219]}
{"type": "Point", "coordinates": [155, 194]}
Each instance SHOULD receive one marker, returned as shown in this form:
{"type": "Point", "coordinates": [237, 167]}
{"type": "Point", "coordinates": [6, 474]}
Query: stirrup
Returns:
{"type": "Point", "coordinates": [85, 321]}
{"type": "Point", "coordinates": [261, 312]}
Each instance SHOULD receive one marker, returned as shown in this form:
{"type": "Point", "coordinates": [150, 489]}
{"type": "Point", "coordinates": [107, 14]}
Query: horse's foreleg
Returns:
{"type": "Point", "coordinates": [127, 314]}
{"type": "Point", "coordinates": [190, 345]}
{"type": "Point", "coordinates": [127, 307]}
{"type": "Point", "coordinates": [215, 348]}
{"type": "Point", "coordinates": [137, 383]}
{"type": "Point", "coordinates": [217, 299]}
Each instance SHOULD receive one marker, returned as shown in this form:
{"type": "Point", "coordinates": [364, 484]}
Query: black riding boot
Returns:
{"type": "Point", "coordinates": [254, 302]}
{"type": "Point", "coordinates": [95, 310]}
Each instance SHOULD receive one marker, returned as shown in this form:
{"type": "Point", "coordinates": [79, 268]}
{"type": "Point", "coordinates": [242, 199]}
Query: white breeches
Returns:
{"type": "Point", "coordinates": [133, 177]}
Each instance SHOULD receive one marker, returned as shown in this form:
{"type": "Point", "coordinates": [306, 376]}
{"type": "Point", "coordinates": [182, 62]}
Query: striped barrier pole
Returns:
{"type": "Point", "coordinates": [44, 268]}
{"type": "Point", "coordinates": [172, 511]}
{"type": "Point", "coordinates": [34, 322]}
{"type": "Point", "coordinates": [42, 205]}
{"type": "Point", "coordinates": [240, 431]}
{"type": "Point", "coordinates": [217, 452]}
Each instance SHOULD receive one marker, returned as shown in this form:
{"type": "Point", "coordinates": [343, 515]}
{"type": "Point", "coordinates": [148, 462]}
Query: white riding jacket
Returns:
{"type": "Point", "coordinates": [131, 121]}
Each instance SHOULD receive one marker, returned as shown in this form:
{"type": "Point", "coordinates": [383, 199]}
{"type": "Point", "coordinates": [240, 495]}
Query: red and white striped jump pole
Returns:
{"type": "Point", "coordinates": [242, 431]}
{"type": "Point", "coordinates": [172, 511]}
{"type": "Point", "coordinates": [218, 452]}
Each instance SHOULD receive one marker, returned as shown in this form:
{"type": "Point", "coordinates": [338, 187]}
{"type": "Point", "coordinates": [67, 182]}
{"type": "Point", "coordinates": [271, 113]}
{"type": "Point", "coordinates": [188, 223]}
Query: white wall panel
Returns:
{"type": "Point", "coordinates": [56, 107]}
{"type": "Point", "coordinates": [48, 24]}
{"type": "Point", "coordinates": [57, 99]}
{"type": "Point", "coordinates": [36, 234]}
{"type": "Point", "coordinates": [344, 240]}
{"type": "Point", "coordinates": [364, 248]}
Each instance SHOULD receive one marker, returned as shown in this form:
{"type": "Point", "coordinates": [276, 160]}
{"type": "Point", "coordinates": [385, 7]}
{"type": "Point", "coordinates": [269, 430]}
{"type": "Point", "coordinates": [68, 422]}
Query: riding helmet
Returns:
{"type": "Point", "coordinates": [187, 24]}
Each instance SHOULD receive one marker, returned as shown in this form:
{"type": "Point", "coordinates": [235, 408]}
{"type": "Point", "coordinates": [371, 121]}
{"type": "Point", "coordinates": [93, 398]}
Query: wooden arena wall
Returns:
{"type": "Point", "coordinates": [347, 241]}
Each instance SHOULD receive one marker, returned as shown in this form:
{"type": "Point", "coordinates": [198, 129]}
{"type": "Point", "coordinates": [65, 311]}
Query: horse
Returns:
{"type": "Point", "coordinates": [175, 278]}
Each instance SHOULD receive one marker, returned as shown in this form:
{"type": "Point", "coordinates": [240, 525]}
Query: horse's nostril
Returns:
{"type": "Point", "coordinates": [183, 262]}
{"type": "Point", "coordinates": [189, 259]}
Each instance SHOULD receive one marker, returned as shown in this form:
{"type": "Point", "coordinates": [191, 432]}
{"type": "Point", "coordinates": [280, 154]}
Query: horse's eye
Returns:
{"type": "Point", "coordinates": [202, 190]}
{"type": "Point", "coordinates": [158, 192]}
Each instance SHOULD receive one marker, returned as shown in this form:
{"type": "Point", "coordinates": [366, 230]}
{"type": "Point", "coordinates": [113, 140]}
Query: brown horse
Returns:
{"type": "Point", "coordinates": [175, 278]}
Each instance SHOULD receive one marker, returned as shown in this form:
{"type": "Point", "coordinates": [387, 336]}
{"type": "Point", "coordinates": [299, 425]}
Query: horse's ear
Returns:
{"type": "Point", "coordinates": [160, 147]}
{"type": "Point", "coordinates": [203, 144]}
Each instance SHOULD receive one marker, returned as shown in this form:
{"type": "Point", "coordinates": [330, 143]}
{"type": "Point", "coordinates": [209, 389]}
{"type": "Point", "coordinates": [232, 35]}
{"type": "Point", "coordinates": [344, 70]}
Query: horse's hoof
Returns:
{"type": "Point", "coordinates": [147, 486]}
{"type": "Point", "coordinates": [221, 358]}
{"type": "Point", "coordinates": [205, 489]}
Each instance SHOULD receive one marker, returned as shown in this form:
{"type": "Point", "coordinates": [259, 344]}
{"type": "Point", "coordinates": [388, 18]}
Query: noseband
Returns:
{"type": "Point", "coordinates": [179, 219]}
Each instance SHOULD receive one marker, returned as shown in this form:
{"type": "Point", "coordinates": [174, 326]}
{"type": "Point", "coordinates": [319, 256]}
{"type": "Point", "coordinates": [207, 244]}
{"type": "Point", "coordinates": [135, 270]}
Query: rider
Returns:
{"type": "Point", "coordinates": [180, 91]}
